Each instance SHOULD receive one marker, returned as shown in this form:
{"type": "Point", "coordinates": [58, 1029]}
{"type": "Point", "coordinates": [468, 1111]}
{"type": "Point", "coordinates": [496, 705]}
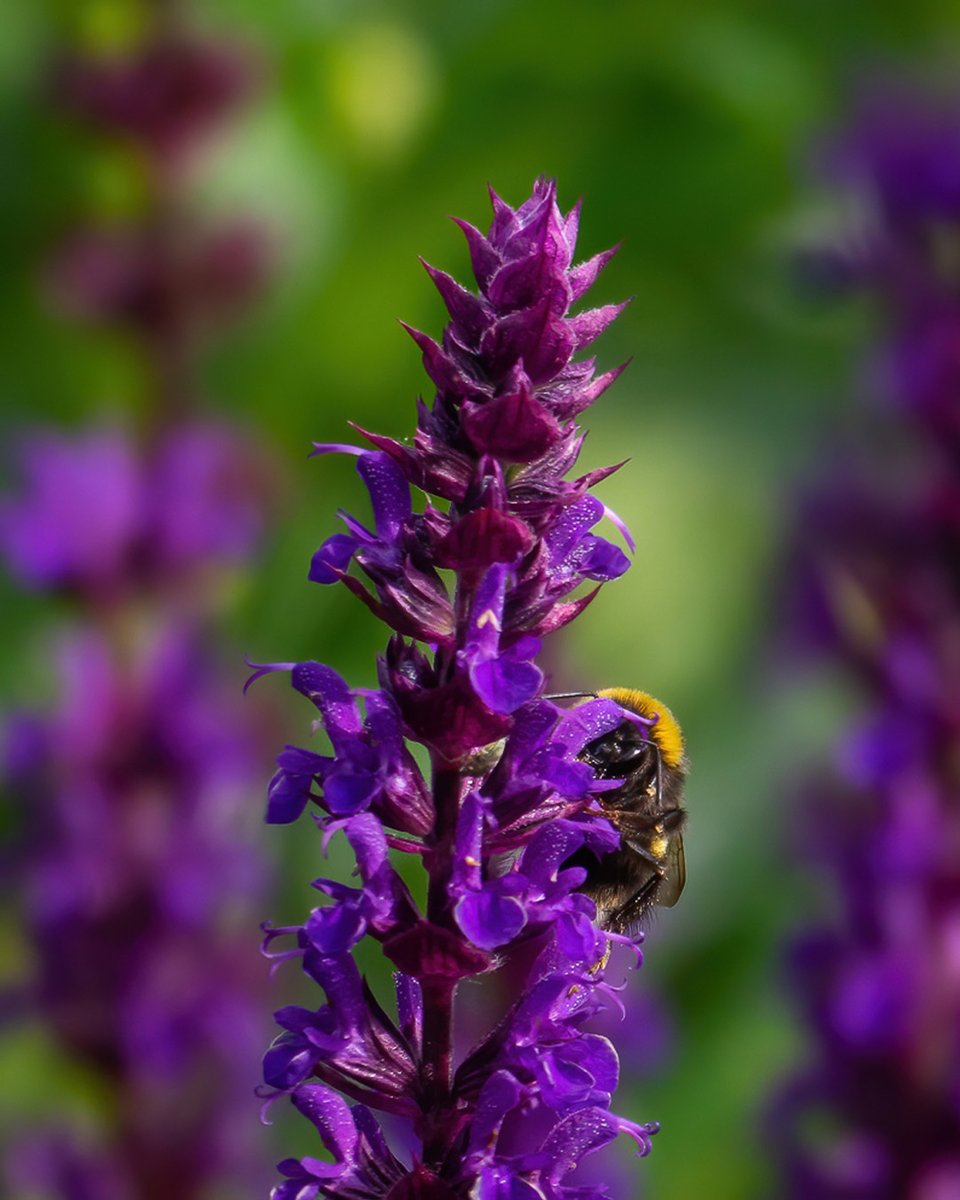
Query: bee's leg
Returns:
{"type": "Point", "coordinates": [641, 851]}
{"type": "Point", "coordinates": [627, 916]}
{"type": "Point", "coordinates": [630, 913]}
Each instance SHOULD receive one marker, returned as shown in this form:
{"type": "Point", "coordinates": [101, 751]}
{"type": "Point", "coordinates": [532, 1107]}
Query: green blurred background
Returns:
{"type": "Point", "coordinates": [684, 127]}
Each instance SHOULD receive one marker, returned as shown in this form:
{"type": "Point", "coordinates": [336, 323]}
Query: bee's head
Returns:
{"type": "Point", "coordinates": [664, 732]}
{"type": "Point", "coordinates": [653, 743]}
{"type": "Point", "coordinates": [624, 753]}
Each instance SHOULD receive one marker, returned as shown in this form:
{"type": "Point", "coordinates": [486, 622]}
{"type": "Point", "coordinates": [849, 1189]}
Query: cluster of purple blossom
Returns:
{"type": "Point", "coordinates": [133, 849]}
{"type": "Point", "coordinates": [166, 276]}
{"type": "Point", "coordinates": [134, 852]}
{"type": "Point", "coordinates": [468, 584]}
{"type": "Point", "coordinates": [101, 520]}
{"type": "Point", "coordinates": [876, 1116]}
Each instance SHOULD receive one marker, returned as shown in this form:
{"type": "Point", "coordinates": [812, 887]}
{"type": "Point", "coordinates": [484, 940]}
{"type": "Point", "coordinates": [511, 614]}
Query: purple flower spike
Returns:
{"type": "Point", "coordinates": [135, 856]}
{"type": "Point", "coordinates": [499, 551]}
{"type": "Point", "coordinates": [874, 1112]}
{"type": "Point", "coordinates": [128, 835]}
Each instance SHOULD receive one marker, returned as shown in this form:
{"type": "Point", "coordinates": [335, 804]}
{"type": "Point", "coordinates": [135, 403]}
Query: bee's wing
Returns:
{"type": "Point", "coordinates": [675, 874]}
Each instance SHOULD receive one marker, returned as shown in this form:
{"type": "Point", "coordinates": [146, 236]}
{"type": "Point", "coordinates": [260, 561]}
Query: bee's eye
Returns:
{"type": "Point", "coordinates": [620, 751]}
{"type": "Point", "coordinates": [605, 751]}
{"type": "Point", "coordinates": [632, 753]}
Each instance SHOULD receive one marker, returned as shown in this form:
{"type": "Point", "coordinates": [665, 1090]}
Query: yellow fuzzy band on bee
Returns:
{"type": "Point", "coordinates": [666, 732]}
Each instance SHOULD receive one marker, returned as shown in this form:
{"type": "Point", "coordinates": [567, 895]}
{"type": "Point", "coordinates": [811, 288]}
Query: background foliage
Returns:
{"type": "Point", "coordinates": [684, 126]}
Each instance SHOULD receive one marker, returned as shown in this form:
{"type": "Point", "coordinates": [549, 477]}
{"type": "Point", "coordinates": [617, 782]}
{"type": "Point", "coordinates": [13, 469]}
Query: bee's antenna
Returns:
{"type": "Point", "coordinates": [569, 695]}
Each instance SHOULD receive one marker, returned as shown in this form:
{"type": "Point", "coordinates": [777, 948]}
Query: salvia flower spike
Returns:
{"type": "Point", "coordinates": [874, 1112]}
{"type": "Point", "coordinates": [128, 793]}
{"type": "Point", "coordinates": [518, 536]}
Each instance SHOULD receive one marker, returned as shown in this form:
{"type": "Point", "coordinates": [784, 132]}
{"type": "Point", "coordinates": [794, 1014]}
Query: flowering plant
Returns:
{"type": "Point", "coordinates": [874, 1113]}
{"type": "Point", "coordinates": [494, 831]}
{"type": "Point", "coordinates": [129, 842]}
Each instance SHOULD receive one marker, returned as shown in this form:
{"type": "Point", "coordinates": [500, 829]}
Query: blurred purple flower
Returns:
{"type": "Point", "coordinates": [900, 151]}
{"type": "Point", "coordinates": [132, 796]}
{"type": "Point", "coordinates": [97, 515]}
{"type": "Point", "coordinates": [160, 283]}
{"type": "Point", "coordinates": [899, 156]}
{"type": "Point", "coordinates": [876, 1114]}
{"type": "Point", "coordinates": [78, 515]}
{"type": "Point", "coordinates": [164, 275]}
{"type": "Point", "coordinates": [168, 95]}
{"type": "Point", "coordinates": [468, 587]}
{"type": "Point", "coordinates": [134, 854]}
{"type": "Point", "coordinates": [54, 1164]}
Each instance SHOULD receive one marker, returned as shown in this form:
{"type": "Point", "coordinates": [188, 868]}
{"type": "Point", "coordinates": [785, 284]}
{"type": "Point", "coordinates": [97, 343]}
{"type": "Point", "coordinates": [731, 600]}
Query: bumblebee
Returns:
{"type": "Point", "coordinates": [648, 870]}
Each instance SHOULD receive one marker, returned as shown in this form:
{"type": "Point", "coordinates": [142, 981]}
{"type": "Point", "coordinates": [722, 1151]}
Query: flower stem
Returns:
{"type": "Point", "coordinates": [437, 1067]}
{"type": "Point", "coordinates": [438, 991]}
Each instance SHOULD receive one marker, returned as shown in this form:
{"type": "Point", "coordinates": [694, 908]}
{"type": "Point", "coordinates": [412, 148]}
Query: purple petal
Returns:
{"type": "Point", "coordinates": [602, 560]}
{"type": "Point", "coordinates": [389, 492]}
{"type": "Point", "coordinates": [336, 928]}
{"type": "Point", "coordinates": [573, 522]}
{"type": "Point", "coordinates": [369, 844]}
{"type": "Point", "coordinates": [468, 847]}
{"type": "Point", "coordinates": [332, 1119]}
{"type": "Point", "coordinates": [288, 1063]}
{"type": "Point", "coordinates": [331, 695]}
{"type": "Point", "coordinates": [345, 793]}
{"type": "Point", "coordinates": [489, 920]}
{"type": "Point", "coordinates": [581, 1133]}
{"type": "Point", "coordinates": [332, 558]}
{"type": "Point", "coordinates": [287, 797]}
{"type": "Point", "coordinates": [499, 1095]}
{"type": "Point", "coordinates": [486, 616]}
{"type": "Point", "coordinates": [503, 685]}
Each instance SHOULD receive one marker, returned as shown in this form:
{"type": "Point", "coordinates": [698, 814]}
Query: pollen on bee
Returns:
{"type": "Point", "coordinates": [658, 845]}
